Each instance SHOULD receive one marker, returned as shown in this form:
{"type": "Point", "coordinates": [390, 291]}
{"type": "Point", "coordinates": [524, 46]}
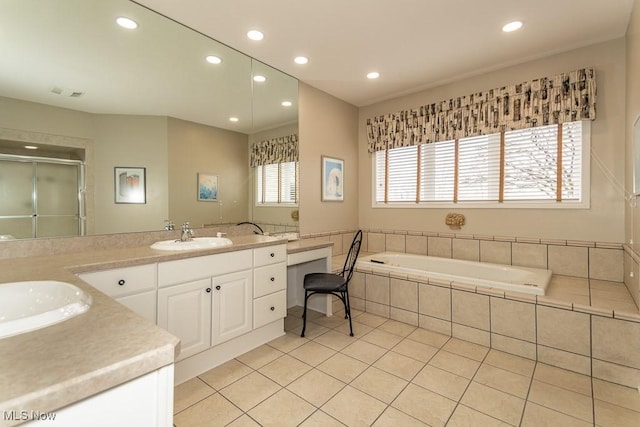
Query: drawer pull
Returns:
{"type": "Point", "coordinates": [218, 288]}
{"type": "Point", "coordinates": [273, 279]}
{"type": "Point", "coordinates": [273, 308]}
{"type": "Point", "coordinates": [121, 282]}
{"type": "Point", "coordinates": [272, 254]}
{"type": "Point", "coordinates": [208, 290]}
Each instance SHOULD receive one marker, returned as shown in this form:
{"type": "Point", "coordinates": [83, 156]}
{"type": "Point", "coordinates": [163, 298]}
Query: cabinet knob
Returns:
{"type": "Point", "coordinates": [121, 282]}
{"type": "Point", "coordinates": [273, 279]}
{"type": "Point", "coordinates": [208, 290]}
{"type": "Point", "coordinates": [273, 308]}
{"type": "Point", "coordinates": [218, 288]}
{"type": "Point", "coordinates": [272, 254]}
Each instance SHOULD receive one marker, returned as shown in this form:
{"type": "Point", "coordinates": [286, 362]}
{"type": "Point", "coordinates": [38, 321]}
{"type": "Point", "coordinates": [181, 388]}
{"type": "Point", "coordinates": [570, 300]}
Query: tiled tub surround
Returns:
{"type": "Point", "coordinates": [587, 323]}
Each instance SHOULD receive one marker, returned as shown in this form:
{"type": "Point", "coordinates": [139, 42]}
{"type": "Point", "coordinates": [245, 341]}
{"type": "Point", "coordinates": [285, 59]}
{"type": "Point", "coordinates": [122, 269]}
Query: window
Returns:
{"type": "Point", "coordinates": [537, 166]}
{"type": "Point", "coordinates": [277, 183]}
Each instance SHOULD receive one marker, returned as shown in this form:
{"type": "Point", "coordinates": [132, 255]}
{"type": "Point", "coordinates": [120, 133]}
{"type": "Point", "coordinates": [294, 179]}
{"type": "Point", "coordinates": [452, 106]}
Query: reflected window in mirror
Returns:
{"type": "Point", "coordinates": [277, 184]}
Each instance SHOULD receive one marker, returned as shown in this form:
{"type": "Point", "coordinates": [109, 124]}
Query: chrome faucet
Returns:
{"type": "Point", "coordinates": [168, 225]}
{"type": "Point", "coordinates": [187, 232]}
{"type": "Point", "coordinates": [254, 224]}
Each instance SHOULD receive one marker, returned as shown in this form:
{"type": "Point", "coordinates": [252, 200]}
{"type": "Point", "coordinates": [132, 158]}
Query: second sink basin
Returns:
{"type": "Point", "coordinates": [26, 306]}
{"type": "Point", "coordinates": [195, 243]}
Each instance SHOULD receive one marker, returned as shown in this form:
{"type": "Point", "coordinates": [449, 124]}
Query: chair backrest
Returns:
{"type": "Point", "coordinates": [352, 256]}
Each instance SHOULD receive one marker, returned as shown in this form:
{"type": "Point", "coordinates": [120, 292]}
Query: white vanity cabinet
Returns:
{"type": "Point", "coordinates": [133, 287]}
{"type": "Point", "coordinates": [270, 284]}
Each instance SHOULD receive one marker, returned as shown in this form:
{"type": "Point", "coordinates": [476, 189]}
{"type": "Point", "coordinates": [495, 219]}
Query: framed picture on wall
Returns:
{"type": "Point", "coordinates": [130, 185]}
{"type": "Point", "coordinates": [207, 187]}
{"type": "Point", "coordinates": [332, 179]}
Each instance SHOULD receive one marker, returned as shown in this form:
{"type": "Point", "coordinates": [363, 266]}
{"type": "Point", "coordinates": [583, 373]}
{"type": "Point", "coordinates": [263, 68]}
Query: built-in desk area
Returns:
{"type": "Point", "coordinates": [303, 257]}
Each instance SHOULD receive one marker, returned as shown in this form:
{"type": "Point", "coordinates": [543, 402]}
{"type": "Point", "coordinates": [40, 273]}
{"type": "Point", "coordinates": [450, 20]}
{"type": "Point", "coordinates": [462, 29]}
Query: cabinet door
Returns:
{"type": "Point", "coordinates": [185, 311]}
{"type": "Point", "coordinates": [232, 313]}
{"type": "Point", "coordinates": [144, 304]}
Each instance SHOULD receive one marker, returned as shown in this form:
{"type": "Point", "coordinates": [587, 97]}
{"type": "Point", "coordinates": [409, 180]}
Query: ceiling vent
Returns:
{"type": "Point", "coordinates": [66, 92]}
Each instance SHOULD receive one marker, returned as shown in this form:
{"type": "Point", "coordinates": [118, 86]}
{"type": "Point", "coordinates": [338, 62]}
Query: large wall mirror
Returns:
{"type": "Point", "coordinates": [92, 96]}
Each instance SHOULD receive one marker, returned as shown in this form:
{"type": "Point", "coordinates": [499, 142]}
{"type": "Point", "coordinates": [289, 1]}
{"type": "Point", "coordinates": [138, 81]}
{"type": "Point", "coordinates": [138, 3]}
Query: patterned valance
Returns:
{"type": "Point", "coordinates": [547, 100]}
{"type": "Point", "coordinates": [276, 150]}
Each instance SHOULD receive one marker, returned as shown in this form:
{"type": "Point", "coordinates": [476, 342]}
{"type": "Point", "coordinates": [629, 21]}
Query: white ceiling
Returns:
{"type": "Point", "coordinates": [414, 44]}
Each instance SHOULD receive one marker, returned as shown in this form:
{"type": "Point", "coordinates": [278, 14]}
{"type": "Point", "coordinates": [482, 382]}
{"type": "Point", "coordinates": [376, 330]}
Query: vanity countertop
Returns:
{"type": "Point", "coordinates": [53, 367]}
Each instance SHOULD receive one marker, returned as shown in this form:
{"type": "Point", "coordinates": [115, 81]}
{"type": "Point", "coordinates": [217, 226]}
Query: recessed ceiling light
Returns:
{"type": "Point", "coordinates": [127, 23]}
{"type": "Point", "coordinates": [255, 35]}
{"type": "Point", "coordinates": [259, 79]}
{"type": "Point", "coordinates": [212, 59]}
{"type": "Point", "coordinates": [373, 75]}
{"type": "Point", "coordinates": [512, 26]}
{"type": "Point", "coordinates": [233, 119]}
{"type": "Point", "coordinates": [287, 103]}
{"type": "Point", "coordinates": [30, 147]}
{"type": "Point", "coordinates": [301, 60]}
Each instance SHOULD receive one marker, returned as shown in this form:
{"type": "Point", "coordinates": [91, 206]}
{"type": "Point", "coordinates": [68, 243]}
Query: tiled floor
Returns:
{"type": "Point", "coordinates": [393, 374]}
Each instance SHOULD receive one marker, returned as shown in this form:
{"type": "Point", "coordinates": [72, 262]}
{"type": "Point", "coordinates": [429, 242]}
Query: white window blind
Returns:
{"type": "Point", "coordinates": [537, 164]}
{"type": "Point", "coordinates": [277, 183]}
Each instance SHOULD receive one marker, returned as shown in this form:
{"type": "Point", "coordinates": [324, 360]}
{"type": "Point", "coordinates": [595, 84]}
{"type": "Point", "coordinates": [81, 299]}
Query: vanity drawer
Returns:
{"type": "Point", "coordinates": [123, 281]}
{"type": "Point", "coordinates": [269, 255]}
{"type": "Point", "coordinates": [200, 267]}
{"type": "Point", "coordinates": [269, 308]}
{"type": "Point", "coordinates": [269, 279]}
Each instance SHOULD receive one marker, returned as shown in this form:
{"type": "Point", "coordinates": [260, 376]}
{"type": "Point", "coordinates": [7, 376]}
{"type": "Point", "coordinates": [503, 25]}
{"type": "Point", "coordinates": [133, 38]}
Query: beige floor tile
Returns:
{"type": "Point", "coordinates": [563, 378]}
{"type": "Point", "coordinates": [321, 419]}
{"type": "Point", "coordinates": [455, 364]}
{"type": "Point", "coordinates": [509, 382]}
{"type": "Point", "coordinates": [425, 405]}
{"type": "Point", "coordinates": [441, 382]}
{"type": "Point", "coordinates": [536, 416]}
{"type": "Point", "coordinates": [312, 353]}
{"type": "Point", "coordinates": [342, 367]}
{"type": "Point", "coordinates": [391, 417]}
{"type": "Point", "coordinates": [379, 384]}
{"type": "Point", "coordinates": [335, 340]}
{"type": "Point", "coordinates": [510, 362]}
{"type": "Point", "coordinates": [316, 387]}
{"type": "Point", "coordinates": [288, 342]}
{"type": "Point", "coordinates": [292, 322]}
{"type": "Point", "coordinates": [284, 370]}
{"type": "Point", "coordinates": [371, 319]}
{"type": "Point", "coordinates": [282, 409]}
{"type": "Point", "coordinates": [364, 351]}
{"type": "Point", "coordinates": [250, 390]}
{"type": "Point", "coordinates": [431, 338]}
{"type": "Point", "coordinates": [615, 416]}
{"type": "Point", "coordinates": [330, 321]}
{"type": "Point", "coordinates": [353, 407]}
{"type": "Point", "coordinates": [215, 410]}
{"type": "Point", "coordinates": [313, 330]}
{"type": "Point", "coordinates": [359, 329]}
{"type": "Point", "coordinates": [416, 350]}
{"type": "Point", "coordinates": [399, 365]}
{"type": "Point", "coordinates": [464, 416]}
{"type": "Point", "coordinates": [243, 421]}
{"type": "Point", "coordinates": [562, 400]}
{"type": "Point", "coordinates": [225, 374]}
{"type": "Point", "coordinates": [495, 403]}
{"type": "Point", "coordinates": [260, 356]}
{"type": "Point", "coordinates": [296, 310]}
{"type": "Point", "coordinates": [382, 338]}
{"type": "Point", "coordinates": [190, 392]}
{"type": "Point", "coordinates": [397, 328]}
{"type": "Point", "coordinates": [626, 397]}
{"type": "Point", "coordinates": [466, 349]}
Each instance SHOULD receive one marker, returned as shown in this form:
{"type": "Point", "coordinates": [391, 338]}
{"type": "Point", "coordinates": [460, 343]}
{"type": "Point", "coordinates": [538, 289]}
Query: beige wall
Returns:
{"type": "Point", "coordinates": [604, 221]}
{"type": "Point", "coordinates": [195, 148]}
{"type": "Point", "coordinates": [632, 112]}
{"type": "Point", "coordinates": [130, 141]}
{"type": "Point", "coordinates": [274, 214]}
{"type": "Point", "coordinates": [327, 126]}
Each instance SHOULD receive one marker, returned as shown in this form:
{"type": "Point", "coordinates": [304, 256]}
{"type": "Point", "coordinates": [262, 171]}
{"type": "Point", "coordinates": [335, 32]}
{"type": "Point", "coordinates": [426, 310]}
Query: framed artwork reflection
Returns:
{"type": "Point", "coordinates": [332, 179]}
{"type": "Point", "coordinates": [207, 187]}
{"type": "Point", "coordinates": [130, 185]}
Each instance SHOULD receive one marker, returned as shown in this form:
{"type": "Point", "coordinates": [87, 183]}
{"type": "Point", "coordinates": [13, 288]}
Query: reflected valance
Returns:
{"type": "Point", "coordinates": [562, 98]}
{"type": "Point", "coordinates": [275, 150]}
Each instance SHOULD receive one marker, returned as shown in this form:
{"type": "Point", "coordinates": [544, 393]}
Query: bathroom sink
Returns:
{"type": "Point", "coordinates": [26, 306]}
{"type": "Point", "coordinates": [194, 243]}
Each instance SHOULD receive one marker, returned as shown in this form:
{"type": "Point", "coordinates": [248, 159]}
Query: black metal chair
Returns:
{"type": "Point", "coordinates": [333, 283]}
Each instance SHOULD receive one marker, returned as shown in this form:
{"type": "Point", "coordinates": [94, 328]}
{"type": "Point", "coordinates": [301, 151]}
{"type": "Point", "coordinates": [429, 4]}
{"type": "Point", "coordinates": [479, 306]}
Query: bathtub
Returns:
{"type": "Point", "coordinates": [504, 277]}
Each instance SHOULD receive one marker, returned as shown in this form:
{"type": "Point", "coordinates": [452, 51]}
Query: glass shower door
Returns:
{"type": "Point", "coordinates": [57, 203]}
{"type": "Point", "coordinates": [16, 199]}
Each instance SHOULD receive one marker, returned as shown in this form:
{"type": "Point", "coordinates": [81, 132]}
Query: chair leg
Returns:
{"type": "Point", "coordinates": [304, 314]}
{"type": "Point", "coordinates": [347, 310]}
